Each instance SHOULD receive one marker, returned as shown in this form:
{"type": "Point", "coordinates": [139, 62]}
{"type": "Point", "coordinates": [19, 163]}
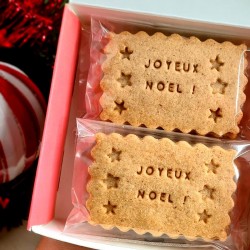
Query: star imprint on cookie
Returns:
{"type": "Point", "coordinates": [204, 216]}
{"type": "Point", "coordinates": [111, 181]}
{"type": "Point", "coordinates": [212, 167]}
{"type": "Point", "coordinates": [126, 53]}
{"type": "Point", "coordinates": [216, 63]}
{"type": "Point", "coordinates": [215, 114]}
{"type": "Point", "coordinates": [219, 86]}
{"type": "Point", "coordinates": [124, 80]}
{"type": "Point", "coordinates": [115, 155]}
{"type": "Point", "coordinates": [110, 208]}
{"type": "Point", "coordinates": [120, 107]}
{"type": "Point", "coordinates": [207, 192]}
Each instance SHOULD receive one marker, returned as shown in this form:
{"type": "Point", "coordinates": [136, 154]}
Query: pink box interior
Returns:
{"type": "Point", "coordinates": [51, 156]}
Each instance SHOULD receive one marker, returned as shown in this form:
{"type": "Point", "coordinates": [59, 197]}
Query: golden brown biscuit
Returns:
{"type": "Point", "coordinates": [162, 187]}
{"type": "Point", "coordinates": [174, 83]}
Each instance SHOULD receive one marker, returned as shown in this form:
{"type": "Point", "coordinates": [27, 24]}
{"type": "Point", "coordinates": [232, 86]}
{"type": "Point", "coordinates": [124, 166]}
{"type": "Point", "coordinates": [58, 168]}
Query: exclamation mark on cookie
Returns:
{"type": "Point", "coordinates": [193, 90]}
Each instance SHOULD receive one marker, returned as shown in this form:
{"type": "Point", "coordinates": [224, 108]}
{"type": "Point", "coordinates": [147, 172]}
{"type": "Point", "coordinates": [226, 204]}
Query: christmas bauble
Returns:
{"type": "Point", "coordinates": [22, 113]}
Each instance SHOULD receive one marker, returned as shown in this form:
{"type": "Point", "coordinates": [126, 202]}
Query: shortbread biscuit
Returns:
{"type": "Point", "coordinates": [158, 186]}
{"type": "Point", "coordinates": [173, 82]}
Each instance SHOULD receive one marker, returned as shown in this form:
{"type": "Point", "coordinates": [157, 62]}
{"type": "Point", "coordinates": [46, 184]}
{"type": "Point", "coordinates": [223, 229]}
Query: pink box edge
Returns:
{"type": "Point", "coordinates": [51, 154]}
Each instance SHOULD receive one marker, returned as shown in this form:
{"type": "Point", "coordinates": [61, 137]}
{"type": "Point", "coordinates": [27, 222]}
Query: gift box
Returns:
{"type": "Point", "coordinates": [51, 203]}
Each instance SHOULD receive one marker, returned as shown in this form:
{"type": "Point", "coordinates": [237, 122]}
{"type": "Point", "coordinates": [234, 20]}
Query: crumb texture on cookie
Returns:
{"type": "Point", "coordinates": [174, 83]}
{"type": "Point", "coordinates": [158, 186]}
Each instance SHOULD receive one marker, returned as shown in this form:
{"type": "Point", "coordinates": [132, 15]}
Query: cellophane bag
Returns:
{"type": "Point", "coordinates": [169, 78]}
{"type": "Point", "coordinates": [155, 185]}
{"type": "Point", "coordinates": [159, 188]}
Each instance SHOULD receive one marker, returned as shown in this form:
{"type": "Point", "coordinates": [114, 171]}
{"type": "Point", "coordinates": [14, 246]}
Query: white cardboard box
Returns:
{"type": "Point", "coordinates": [51, 202]}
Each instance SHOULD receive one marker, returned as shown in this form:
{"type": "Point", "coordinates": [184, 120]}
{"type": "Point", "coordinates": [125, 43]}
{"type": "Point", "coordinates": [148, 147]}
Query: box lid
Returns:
{"type": "Point", "coordinates": [224, 12]}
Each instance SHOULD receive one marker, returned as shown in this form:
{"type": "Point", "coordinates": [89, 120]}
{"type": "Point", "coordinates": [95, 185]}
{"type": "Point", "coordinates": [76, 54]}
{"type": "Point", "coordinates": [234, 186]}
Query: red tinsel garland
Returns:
{"type": "Point", "coordinates": [34, 23]}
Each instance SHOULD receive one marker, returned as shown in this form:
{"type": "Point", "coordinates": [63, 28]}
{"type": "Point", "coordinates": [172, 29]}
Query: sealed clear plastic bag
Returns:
{"type": "Point", "coordinates": [160, 188]}
{"type": "Point", "coordinates": [170, 79]}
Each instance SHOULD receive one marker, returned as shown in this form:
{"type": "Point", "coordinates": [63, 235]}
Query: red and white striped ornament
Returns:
{"type": "Point", "coordinates": [22, 114]}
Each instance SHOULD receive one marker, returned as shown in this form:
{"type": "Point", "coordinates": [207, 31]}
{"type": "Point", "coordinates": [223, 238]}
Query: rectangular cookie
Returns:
{"type": "Point", "coordinates": [174, 82]}
{"type": "Point", "coordinates": [158, 186]}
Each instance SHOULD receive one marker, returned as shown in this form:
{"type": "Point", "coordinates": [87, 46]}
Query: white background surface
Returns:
{"type": "Point", "coordinates": [18, 239]}
{"type": "Point", "coordinates": [227, 12]}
